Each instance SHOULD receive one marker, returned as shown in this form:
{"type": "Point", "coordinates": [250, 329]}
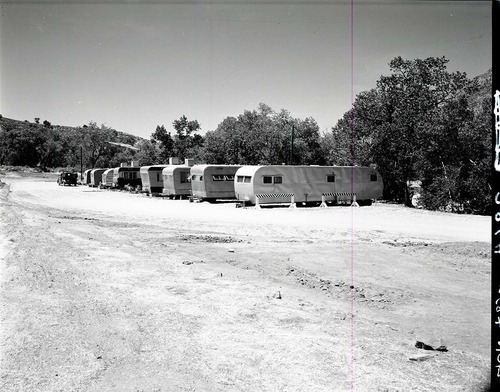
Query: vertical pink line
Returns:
{"type": "Point", "coordinates": [352, 191]}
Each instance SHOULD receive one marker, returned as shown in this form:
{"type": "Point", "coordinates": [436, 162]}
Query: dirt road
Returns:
{"type": "Point", "coordinates": [111, 291]}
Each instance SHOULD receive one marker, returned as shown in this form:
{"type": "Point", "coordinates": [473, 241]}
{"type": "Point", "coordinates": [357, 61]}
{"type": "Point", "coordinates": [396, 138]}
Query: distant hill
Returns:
{"type": "Point", "coordinates": [481, 95]}
{"type": "Point", "coordinates": [24, 143]}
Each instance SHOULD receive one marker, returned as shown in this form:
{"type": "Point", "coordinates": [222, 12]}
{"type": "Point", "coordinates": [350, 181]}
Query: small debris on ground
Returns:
{"type": "Point", "coordinates": [424, 346]}
{"type": "Point", "coordinates": [189, 262]}
{"type": "Point", "coordinates": [422, 357]}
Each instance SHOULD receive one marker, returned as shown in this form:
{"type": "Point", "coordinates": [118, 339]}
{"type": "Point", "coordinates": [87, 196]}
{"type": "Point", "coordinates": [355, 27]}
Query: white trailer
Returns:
{"type": "Point", "coordinates": [176, 181]}
{"type": "Point", "coordinates": [212, 182]}
{"type": "Point", "coordinates": [307, 184]}
{"type": "Point", "coordinates": [86, 177]}
{"type": "Point", "coordinates": [96, 177]}
{"type": "Point", "coordinates": [107, 178]}
{"type": "Point", "coordinates": [152, 179]}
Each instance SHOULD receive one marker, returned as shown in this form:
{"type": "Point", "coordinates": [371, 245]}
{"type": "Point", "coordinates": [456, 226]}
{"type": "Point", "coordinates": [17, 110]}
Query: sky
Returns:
{"type": "Point", "coordinates": [133, 65]}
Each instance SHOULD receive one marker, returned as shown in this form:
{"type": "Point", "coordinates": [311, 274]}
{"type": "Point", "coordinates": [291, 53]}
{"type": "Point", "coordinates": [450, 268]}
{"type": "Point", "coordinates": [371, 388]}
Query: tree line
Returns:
{"type": "Point", "coordinates": [47, 147]}
{"type": "Point", "coordinates": [421, 126]}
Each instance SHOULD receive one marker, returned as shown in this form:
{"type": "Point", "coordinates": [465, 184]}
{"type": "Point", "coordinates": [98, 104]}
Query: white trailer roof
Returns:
{"type": "Point", "coordinates": [200, 169]}
{"type": "Point", "coordinates": [171, 169]}
{"type": "Point", "coordinates": [145, 169]}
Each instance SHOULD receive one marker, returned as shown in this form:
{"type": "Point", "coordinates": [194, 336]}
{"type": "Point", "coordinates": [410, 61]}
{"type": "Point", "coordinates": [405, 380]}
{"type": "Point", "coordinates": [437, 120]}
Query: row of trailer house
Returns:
{"type": "Point", "coordinates": [249, 185]}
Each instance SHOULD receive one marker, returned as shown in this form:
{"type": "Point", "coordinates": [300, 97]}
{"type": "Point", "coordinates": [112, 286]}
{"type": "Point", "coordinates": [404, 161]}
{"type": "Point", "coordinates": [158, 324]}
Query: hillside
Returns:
{"type": "Point", "coordinates": [43, 145]}
{"type": "Point", "coordinates": [480, 98]}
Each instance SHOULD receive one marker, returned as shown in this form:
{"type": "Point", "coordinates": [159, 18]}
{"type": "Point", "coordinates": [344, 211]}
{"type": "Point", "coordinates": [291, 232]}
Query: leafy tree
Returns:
{"type": "Point", "coordinates": [412, 98]}
{"type": "Point", "coordinates": [263, 137]}
{"type": "Point", "coordinates": [31, 144]}
{"type": "Point", "coordinates": [50, 149]}
{"type": "Point", "coordinates": [306, 144]}
{"type": "Point", "coordinates": [184, 142]}
{"type": "Point", "coordinates": [222, 145]}
{"type": "Point", "coordinates": [350, 141]}
{"type": "Point", "coordinates": [166, 143]}
{"type": "Point", "coordinates": [19, 145]}
{"type": "Point", "coordinates": [390, 125]}
{"type": "Point", "coordinates": [185, 128]}
{"type": "Point", "coordinates": [455, 170]}
{"type": "Point", "coordinates": [148, 153]}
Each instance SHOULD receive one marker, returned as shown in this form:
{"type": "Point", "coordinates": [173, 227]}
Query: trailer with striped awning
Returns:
{"type": "Point", "coordinates": [255, 185]}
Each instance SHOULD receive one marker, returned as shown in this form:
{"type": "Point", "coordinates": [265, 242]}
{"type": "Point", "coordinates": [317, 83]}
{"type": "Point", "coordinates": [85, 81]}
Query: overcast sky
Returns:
{"type": "Point", "coordinates": [133, 66]}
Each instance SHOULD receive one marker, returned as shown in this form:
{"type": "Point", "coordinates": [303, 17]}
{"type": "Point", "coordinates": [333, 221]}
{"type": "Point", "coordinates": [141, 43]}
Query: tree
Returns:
{"type": "Point", "coordinates": [185, 128]}
{"type": "Point", "coordinates": [390, 125]}
{"type": "Point", "coordinates": [351, 140]}
{"type": "Point", "coordinates": [263, 137]}
{"type": "Point", "coordinates": [455, 171]}
{"type": "Point", "coordinates": [166, 143]}
{"type": "Point", "coordinates": [306, 145]}
{"type": "Point", "coordinates": [97, 152]}
{"type": "Point", "coordinates": [19, 145]}
{"type": "Point", "coordinates": [149, 153]}
{"type": "Point", "coordinates": [50, 149]}
{"type": "Point", "coordinates": [412, 98]}
{"type": "Point", "coordinates": [222, 145]}
{"type": "Point", "coordinates": [184, 142]}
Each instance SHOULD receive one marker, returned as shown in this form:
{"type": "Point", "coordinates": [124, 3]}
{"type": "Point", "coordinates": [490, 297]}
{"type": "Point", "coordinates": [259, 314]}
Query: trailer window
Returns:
{"type": "Point", "coordinates": [201, 178]}
{"type": "Point", "coordinates": [125, 175]}
{"type": "Point", "coordinates": [229, 178]}
{"type": "Point", "coordinates": [246, 179]}
{"type": "Point", "coordinates": [218, 177]}
{"type": "Point", "coordinates": [272, 179]}
{"type": "Point", "coordinates": [184, 177]}
{"type": "Point", "coordinates": [158, 175]}
{"type": "Point", "coordinates": [330, 178]}
{"type": "Point", "coordinates": [373, 177]}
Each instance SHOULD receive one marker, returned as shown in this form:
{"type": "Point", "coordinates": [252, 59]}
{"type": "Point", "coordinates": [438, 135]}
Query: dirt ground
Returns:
{"type": "Point", "coordinates": [112, 291]}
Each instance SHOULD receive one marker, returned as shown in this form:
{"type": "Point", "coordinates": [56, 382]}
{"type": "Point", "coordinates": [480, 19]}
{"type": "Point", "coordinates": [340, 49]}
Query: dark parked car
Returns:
{"type": "Point", "coordinates": [67, 178]}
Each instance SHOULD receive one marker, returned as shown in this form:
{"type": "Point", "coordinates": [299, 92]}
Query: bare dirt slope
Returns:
{"type": "Point", "coordinates": [110, 291]}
